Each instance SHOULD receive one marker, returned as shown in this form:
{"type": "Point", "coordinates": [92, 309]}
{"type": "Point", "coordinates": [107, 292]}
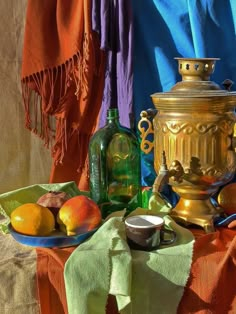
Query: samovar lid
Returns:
{"type": "Point", "coordinates": [196, 88]}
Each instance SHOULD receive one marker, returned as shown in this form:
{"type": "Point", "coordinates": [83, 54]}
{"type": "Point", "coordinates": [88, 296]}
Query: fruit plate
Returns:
{"type": "Point", "coordinates": [56, 239]}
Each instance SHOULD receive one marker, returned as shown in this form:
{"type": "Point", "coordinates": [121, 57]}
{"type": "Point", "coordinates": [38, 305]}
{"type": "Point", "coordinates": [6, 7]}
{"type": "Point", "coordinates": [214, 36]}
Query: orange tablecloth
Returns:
{"type": "Point", "coordinates": [50, 281]}
{"type": "Point", "coordinates": [211, 287]}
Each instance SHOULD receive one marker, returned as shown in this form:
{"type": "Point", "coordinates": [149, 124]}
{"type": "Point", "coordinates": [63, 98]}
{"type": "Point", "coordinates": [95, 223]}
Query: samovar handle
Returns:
{"type": "Point", "coordinates": [227, 85]}
{"type": "Point", "coordinates": [234, 138]}
{"type": "Point", "coordinates": [145, 127]}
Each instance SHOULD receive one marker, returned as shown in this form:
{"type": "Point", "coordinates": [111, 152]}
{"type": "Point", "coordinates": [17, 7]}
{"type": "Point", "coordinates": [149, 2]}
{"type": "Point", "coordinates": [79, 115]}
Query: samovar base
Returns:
{"type": "Point", "coordinates": [198, 212]}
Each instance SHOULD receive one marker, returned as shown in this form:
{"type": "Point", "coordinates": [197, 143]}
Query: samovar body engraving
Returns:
{"type": "Point", "coordinates": [206, 139]}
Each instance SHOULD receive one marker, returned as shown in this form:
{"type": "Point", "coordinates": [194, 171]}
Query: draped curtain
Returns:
{"type": "Point", "coordinates": [166, 29]}
{"type": "Point", "coordinates": [162, 30]}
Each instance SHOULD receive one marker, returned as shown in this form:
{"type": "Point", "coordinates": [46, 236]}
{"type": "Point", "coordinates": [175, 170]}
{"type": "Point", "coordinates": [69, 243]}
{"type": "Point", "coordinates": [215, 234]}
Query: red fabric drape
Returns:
{"type": "Point", "coordinates": [62, 82]}
{"type": "Point", "coordinates": [211, 286]}
{"type": "Point", "coordinates": [50, 281]}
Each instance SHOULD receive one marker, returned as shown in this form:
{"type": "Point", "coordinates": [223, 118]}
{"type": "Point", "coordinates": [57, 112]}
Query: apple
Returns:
{"type": "Point", "coordinates": [79, 214]}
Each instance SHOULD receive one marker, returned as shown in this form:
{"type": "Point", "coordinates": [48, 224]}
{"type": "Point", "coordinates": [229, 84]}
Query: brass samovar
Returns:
{"type": "Point", "coordinates": [193, 140]}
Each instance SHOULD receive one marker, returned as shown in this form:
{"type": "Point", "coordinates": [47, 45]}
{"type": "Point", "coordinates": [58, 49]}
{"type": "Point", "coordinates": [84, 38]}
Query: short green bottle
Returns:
{"type": "Point", "coordinates": [114, 166]}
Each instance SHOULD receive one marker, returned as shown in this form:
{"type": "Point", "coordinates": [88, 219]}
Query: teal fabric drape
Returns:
{"type": "Point", "coordinates": [166, 29]}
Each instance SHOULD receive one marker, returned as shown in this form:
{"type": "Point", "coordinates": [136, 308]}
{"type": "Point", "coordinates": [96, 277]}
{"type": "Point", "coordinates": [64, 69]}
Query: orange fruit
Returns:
{"type": "Point", "coordinates": [227, 198]}
{"type": "Point", "coordinates": [78, 215]}
{"type": "Point", "coordinates": [33, 219]}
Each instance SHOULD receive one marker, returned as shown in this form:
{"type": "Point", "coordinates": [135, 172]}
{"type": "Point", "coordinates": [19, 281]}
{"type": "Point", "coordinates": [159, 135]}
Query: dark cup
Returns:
{"type": "Point", "coordinates": [147, 232]}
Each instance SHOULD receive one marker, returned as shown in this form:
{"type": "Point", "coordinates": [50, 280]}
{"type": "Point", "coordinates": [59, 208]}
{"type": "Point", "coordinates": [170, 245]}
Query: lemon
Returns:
{"type": "Point", "coordinates": [33, 219]}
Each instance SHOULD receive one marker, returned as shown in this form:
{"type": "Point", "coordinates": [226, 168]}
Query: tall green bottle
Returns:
{"type": "Point", "coordinates": [114, 165]}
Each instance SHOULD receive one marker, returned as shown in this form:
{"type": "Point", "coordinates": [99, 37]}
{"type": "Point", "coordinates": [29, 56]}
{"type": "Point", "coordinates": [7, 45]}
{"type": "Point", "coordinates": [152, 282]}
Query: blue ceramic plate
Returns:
{"type": "Point", "coordinates": [56, 239]}
{"type": "Point", "coordinates": [224, 221]}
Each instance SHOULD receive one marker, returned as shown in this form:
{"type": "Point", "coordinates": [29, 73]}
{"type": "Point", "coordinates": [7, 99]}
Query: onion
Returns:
{"type": "Point", "coordinates": [53, 200]}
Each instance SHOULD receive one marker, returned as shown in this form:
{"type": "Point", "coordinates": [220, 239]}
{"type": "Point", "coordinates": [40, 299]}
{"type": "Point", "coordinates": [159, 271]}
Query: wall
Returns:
{"type": "Point", "coordinates": [23, 158]}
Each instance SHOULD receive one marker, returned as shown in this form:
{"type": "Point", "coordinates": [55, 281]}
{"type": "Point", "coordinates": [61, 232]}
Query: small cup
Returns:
{"type": "Point", "coordinates": [146, 232]}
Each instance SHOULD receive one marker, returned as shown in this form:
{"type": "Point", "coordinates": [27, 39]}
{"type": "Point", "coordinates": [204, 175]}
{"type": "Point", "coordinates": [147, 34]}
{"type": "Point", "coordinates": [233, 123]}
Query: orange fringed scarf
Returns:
{"type": "Point", "coordinates": [62, 82]}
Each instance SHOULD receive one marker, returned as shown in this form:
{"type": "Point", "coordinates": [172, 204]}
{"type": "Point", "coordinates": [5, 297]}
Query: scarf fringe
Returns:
{"type": "Point", "coordinates": [45, 111]}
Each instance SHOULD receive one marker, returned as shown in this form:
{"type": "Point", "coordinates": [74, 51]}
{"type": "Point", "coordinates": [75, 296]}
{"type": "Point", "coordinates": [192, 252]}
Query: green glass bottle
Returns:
{"type": "Point", "coordinates": [114, 166]}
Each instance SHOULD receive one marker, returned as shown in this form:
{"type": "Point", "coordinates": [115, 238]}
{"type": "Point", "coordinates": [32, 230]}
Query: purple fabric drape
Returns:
{"type": "Point", "coordinates": [112, 19]}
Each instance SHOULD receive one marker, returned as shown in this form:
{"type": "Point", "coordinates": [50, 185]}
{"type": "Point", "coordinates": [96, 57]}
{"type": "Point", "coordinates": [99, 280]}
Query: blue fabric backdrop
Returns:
{"type": "Point", "coordinates": [165, 29]}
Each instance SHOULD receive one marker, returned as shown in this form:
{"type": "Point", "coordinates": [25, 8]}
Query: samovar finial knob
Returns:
{"type": "Point", "coordinates": [227, 84]}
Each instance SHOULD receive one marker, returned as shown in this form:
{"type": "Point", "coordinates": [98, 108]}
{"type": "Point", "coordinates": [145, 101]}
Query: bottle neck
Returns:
{"type": "Point", "coordinates": [113, 115]}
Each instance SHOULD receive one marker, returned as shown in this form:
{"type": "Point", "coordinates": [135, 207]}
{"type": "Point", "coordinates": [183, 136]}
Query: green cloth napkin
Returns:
{"type": "Point", "coordinates": [142, 282]}
{"type": "Point", "coordinates": [30, 194]}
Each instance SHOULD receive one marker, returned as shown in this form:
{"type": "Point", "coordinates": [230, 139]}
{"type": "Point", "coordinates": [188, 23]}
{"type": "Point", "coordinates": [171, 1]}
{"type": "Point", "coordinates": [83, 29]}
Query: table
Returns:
{"type": "Point", "coordinates": [35, 277]}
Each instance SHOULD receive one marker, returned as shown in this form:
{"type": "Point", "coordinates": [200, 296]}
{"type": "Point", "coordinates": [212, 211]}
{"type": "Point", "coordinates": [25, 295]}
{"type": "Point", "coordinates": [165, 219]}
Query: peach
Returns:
{"type": "Point", "coordinates": [79, 214]}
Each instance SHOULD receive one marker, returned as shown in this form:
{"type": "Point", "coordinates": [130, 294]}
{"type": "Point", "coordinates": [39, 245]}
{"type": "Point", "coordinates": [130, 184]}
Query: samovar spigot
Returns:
{"type": "Point", "coordinates": [162, 177]}
{"type": "Point", "coordinates": [175, 172]}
